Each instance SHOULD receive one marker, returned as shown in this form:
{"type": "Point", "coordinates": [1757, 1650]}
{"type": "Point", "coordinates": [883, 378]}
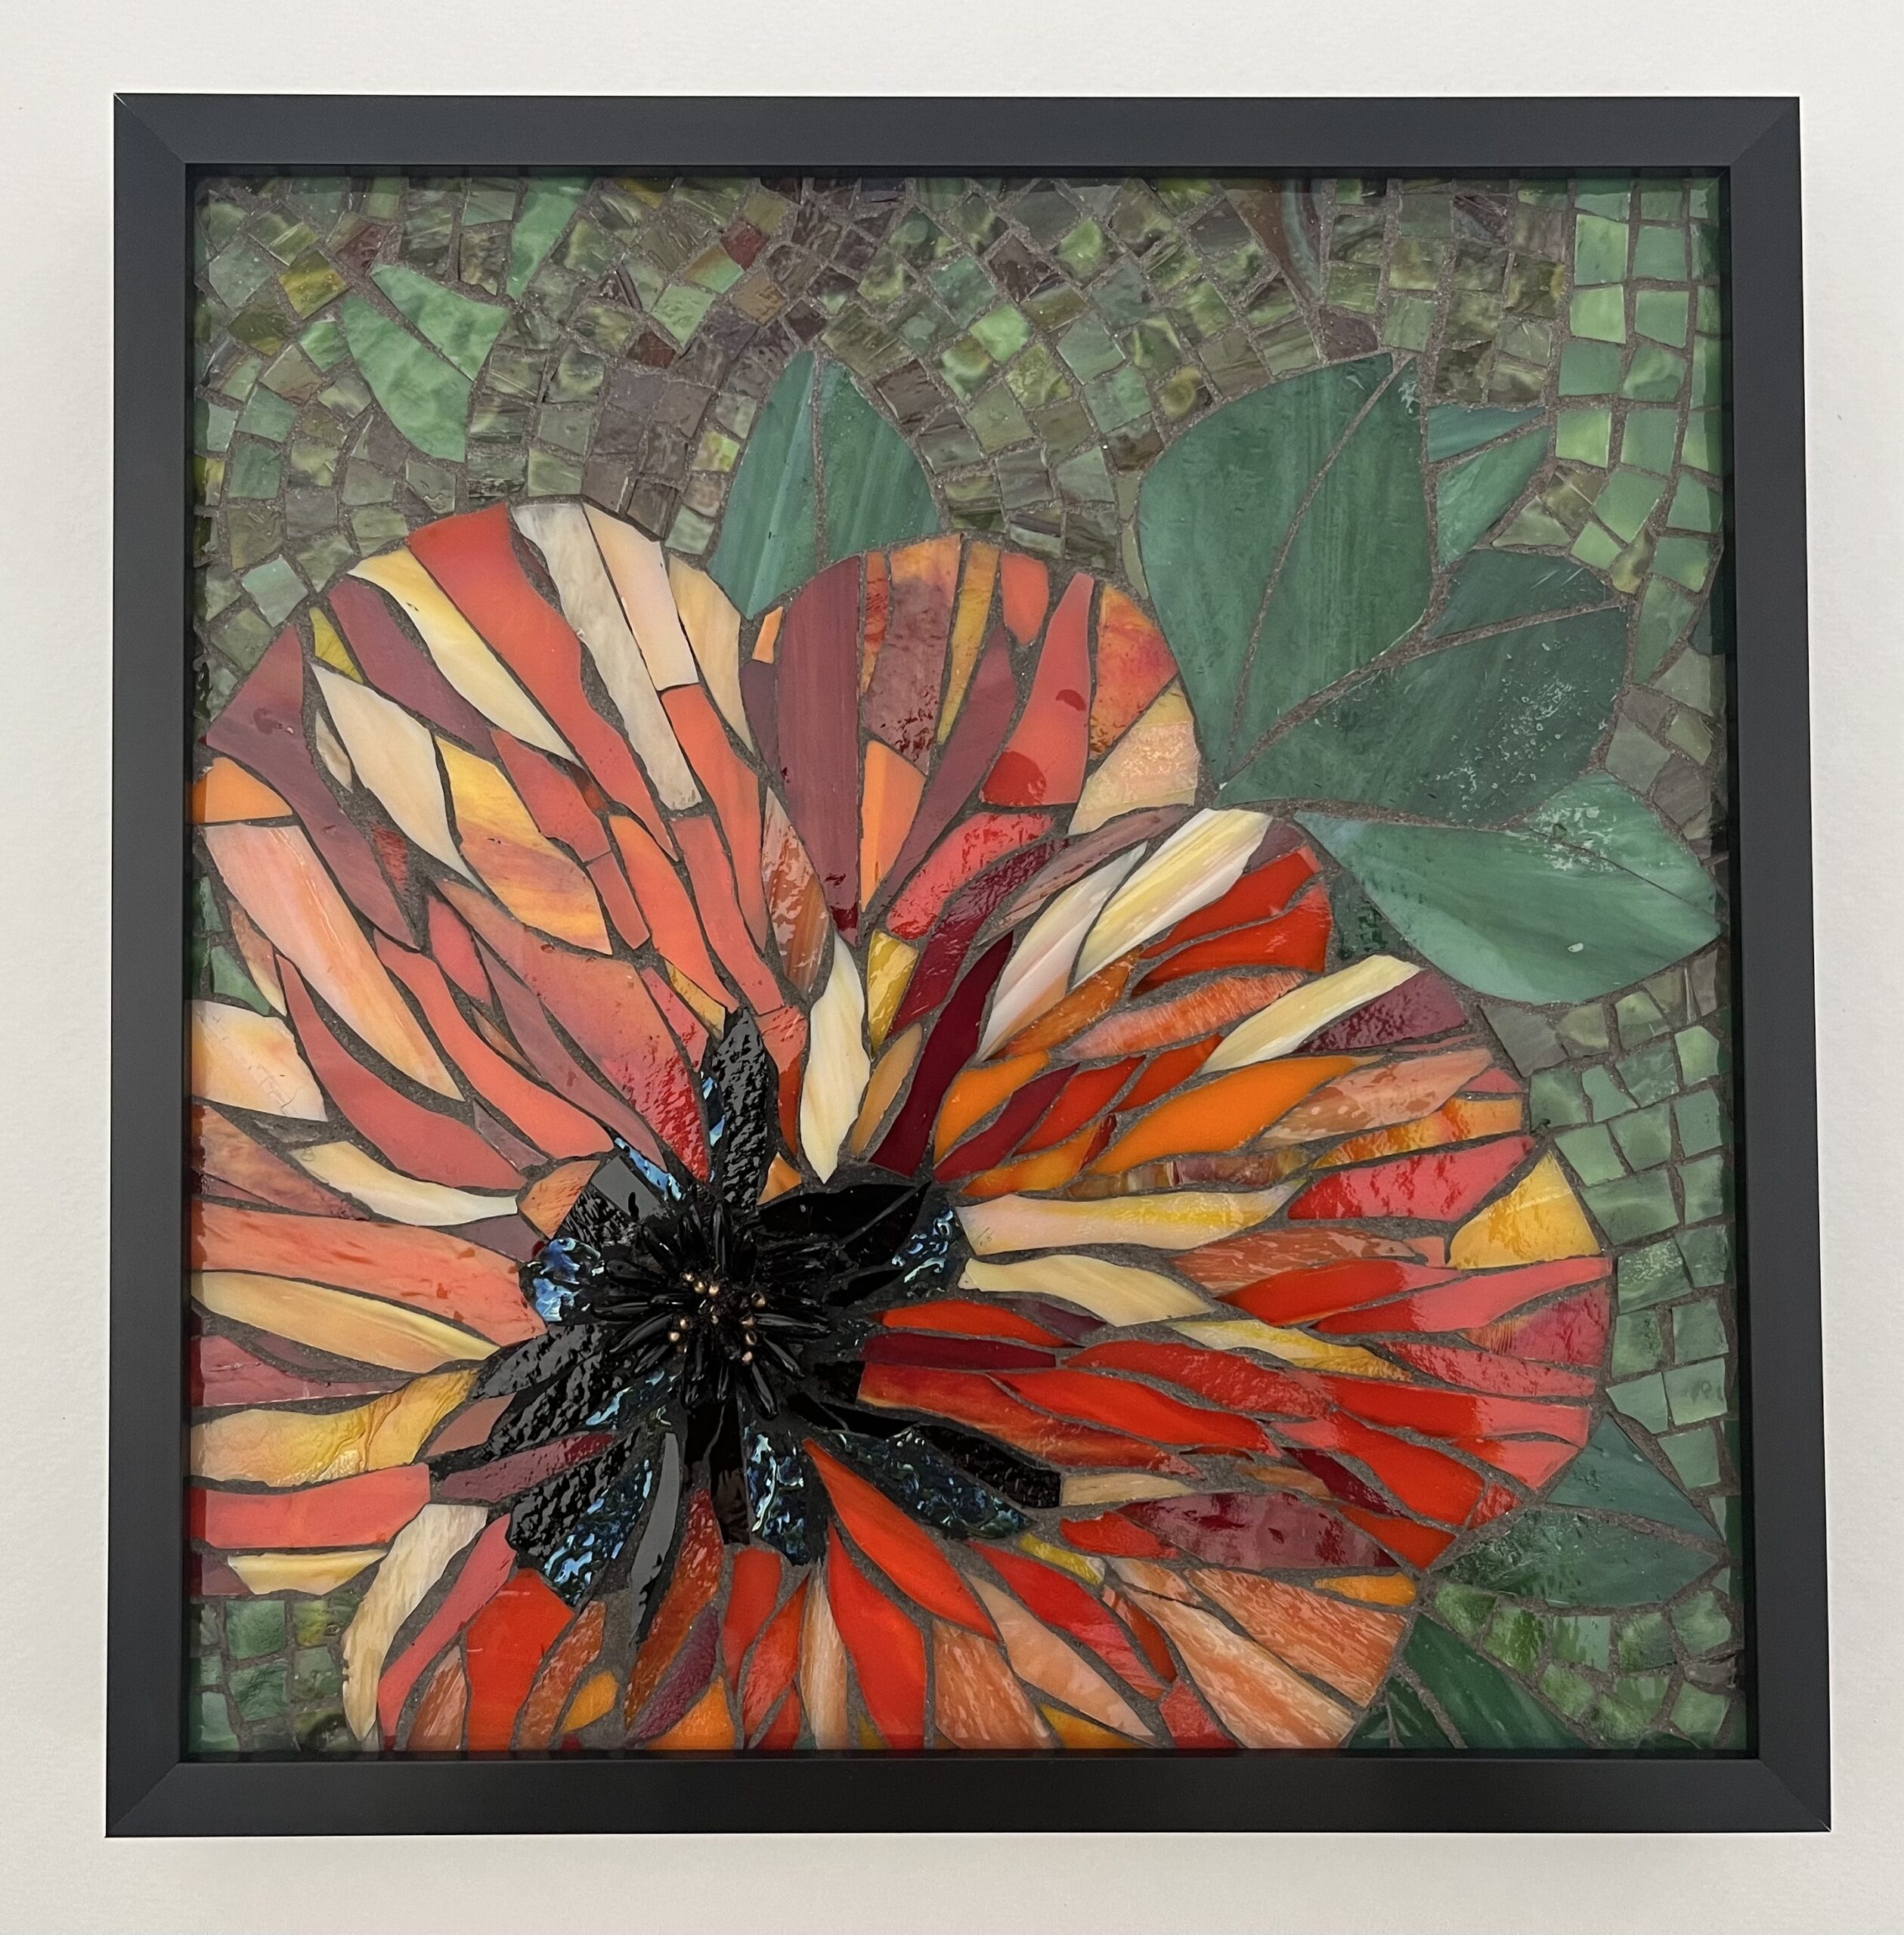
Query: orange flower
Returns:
{"type": "Point", "coordinates": [784, 1152]}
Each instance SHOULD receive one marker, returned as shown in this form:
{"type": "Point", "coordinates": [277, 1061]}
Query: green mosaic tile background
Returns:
{"type": "Point", "coordinates": [374, 354]}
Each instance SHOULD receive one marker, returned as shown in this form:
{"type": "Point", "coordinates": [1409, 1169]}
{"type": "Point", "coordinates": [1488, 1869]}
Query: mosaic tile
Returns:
{"type": "Point", "coordinates": [876, 675]}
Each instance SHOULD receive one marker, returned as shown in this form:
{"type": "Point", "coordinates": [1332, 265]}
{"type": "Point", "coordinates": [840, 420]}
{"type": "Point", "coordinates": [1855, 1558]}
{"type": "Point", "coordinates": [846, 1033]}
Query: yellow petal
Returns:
{"type": "Point", "coordinates": [1176, 1219]}
{"type": "Point", "coordinates": [281, 1447]}
{"type": "Point", "coordinates": [1373, 1588]}
{"type": "Point", "coordinates": [1079, 1565]}
{"type": "Point", "coordinates": [538, 883]}
{"type": "Point", "coordinates": [1118, 1293]}
{"type": "Point", "coordinates": [248, 1060]}
{"type": "Point", "coordinates": [1155, 764]}
{"type": "Point", "coordinates": [640, 576]}
{"type": "Point", "coordinates": [1292, 1347]}
{"type": "Point", "coordinates": [1538, 1221]}
{"type": "Point", "coordinates": [460, 653]}
{"type": "Point", "coordinates": [395, 757]}
{"type": "Point", "coordinates": [284, 888]}
{"type": "Point", "coordinates": [889, 966]}
{"type": "Point", "coordinates": [365, 1329]}
{"type": "Point", "coordinates": [594, 1699]}
{"type": "Point", "coordinates": [1287, 1023]}
{"type": "Point", "coordinates": [1039, 970]}
{"type": "Point", "coordinates": [714, 630]}
{"type": "Point", "coordinates": [314, 1573]}
{"type": "Point", "coordinates": [417, 1560]}
{"type": "Point", "coordinates": [837, 1064]}
{"type": "Point", "coordinates": [563, 534]}
{"type": "Point", "coordinates": [328, 649]}
{"type": "Point", "coordinates": [1199, 863]}
{"type": "Point", "coordinates": [402, 1199]}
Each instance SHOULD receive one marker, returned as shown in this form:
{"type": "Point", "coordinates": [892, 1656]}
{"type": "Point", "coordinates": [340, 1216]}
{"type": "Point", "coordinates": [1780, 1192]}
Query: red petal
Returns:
{"type": "Point", "coordinates": [1059, 1600]}
{"type": "Point", "coordinates": [888, 1652]}
{"type": "Point", "coordinates": [369, 1509]}
{"type": "Point", "coordinates": [488, 1565]}
{"type": "Point", "coordinates": [1043, 763]}
{"type": "Point", "coordinates": [1138, 1410]}
{"type": "Point", "coordinates": [1438, 1186]}
{"type": "Point", "coordinates": [507, 1642]}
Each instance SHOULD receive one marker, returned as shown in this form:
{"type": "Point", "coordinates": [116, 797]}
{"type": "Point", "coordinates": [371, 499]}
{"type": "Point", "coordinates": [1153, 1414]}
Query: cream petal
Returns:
{"type": "Point", "coordinates": [1287, 1023]}
{"type": "Point", "coordinates": [311, 1573]}
{"type": "Point", "coordinates": [1118, 1293]}
{"type": "Point", "coordinates": [284, 888]}
{"type": "Point", "coordinates": [365, 1329]}
{"type": "Point", "coordinates": [417, 1560]}
{"type": "Point", "coordinates": [1199, 863]}
{"type": "Point", "coordinates": [1155, 764]}
{"type": "Point", "coordinates": [1117, 1488]}
{"type": "Point", "coordinates": [402, 1199]}
{"type": "Point", "coordinates": [1040, 966]}
{"type": "Point", "coordinates": [713, 629]}
{"type": "Point", "coordinates": [823, 1672]}
{"type": "Point", "coordinates": [331, 751]}
{"type": "Point", "coordinates": [837, 1064]}
{"type": "Point", "coordinates": [1291, 1347]}
{"type": "Point", "coordinates": [460, 653]}
{"type": "Point", "coordinates": [279, 1447]}
{"type": "Point", "coordinates": [1174, 1219]}
{"type": "Point", "coordinates": [640, 575]}
{"type": "Point", "coordinates": [248, 1060]}
{"type": "Point", "coordinates": [564, 536]}
{"type": "Point", "coordinates": [395, 757]}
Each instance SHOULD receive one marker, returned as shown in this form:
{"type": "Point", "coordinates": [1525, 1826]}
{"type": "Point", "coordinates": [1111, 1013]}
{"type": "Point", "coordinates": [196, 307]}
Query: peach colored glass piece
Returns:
{"type": "Point", "coordinates": [283, 886]}
{"type": "Point", "coordinates": [714, 630]}
{"type": "Point", "coordinates": [1040, 1658]}
{"type": "Point", "coordinates": [248, 1060]}
{"type": "Point", "coordinates": [1026, 592]}
{"type": "Point", "coordinates": [539, 884]}
{"type": "Point", "coordinates": [1260, 1700]}
{"type": "Point", "coordinates": [364, 1329]}
{"type": "Point", "coordinates": [978, 1701]}
{"type": "Point", "coordinates": [1350, 1647]}
{"type": "Point", "coordinates": [889, 798]}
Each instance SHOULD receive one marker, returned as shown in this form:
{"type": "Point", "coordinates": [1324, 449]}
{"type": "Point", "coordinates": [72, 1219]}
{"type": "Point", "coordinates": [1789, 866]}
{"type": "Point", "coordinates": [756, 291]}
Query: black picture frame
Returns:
{"type": "Point", "coordinates": [1780, 1782]}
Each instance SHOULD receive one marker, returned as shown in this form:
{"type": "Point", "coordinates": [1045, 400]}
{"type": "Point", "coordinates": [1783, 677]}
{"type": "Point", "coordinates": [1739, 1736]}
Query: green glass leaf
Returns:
{"type": "Point", "coordinates": [1492, 587]}
{"type": "Point", "coordinates": [1574, 1559]}
{"type": "Point", "coordinates": [424, 396]}
{"type": "Point", "coordinates": [1284, 539]}
{"type": "Point", "coordinates": [1488, 1708]}
{"type": "Point", "coordinates": [768, 537]}
{"type": "Point", "coordinates": [1516, 915]}
{"type": "Point", "coordinates": [1473, 734]}
{"type": "Point", "coordinates": [777, 532]}
{"type": "Point", "coordinates": [876, 492]}
{"type": "Point", "coordinates": [546, 208]}
{"type": "Point", "coordinates": [1614, 1475]}
{"type": "Point", "coordinates": [1453, 428]}
{"type": "Point", "coordinates": [1471, 497]}
{"type": "Point", "coordinates": [1414, 1725]}
{"type": "Point", "coordinates": [461, 327]}
{"type": "Point", "coordinates": [1598, 815]}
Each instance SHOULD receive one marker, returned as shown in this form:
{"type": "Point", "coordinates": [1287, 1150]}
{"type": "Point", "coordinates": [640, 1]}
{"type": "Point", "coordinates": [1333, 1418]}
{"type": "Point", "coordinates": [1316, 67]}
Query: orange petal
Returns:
{"type": "Point", "coordinates": [889, 800]}
{"type": "Point", "coordinates": [707, 1727]}
{"type": "Point", "coordinates": [977, 1092]}
{"type": "Point", "coordinates": [225, 790]}
{"type": "Point", "coordinates": [1223, 1113]}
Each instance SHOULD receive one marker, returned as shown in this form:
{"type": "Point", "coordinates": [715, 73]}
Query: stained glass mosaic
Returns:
{"type": "Point", "coordinates": [959, 968]}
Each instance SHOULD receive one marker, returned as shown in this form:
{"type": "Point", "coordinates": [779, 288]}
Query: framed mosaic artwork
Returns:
{"type": "Point", "coordinates": [962, 974]}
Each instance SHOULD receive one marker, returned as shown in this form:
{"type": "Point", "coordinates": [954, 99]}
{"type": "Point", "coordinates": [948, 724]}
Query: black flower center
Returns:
{"type": "Point", "coordinates": [698, 1334]}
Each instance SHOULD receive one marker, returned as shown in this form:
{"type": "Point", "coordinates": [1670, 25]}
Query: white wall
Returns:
{"type": "Point", "coordinates": [63, 61]}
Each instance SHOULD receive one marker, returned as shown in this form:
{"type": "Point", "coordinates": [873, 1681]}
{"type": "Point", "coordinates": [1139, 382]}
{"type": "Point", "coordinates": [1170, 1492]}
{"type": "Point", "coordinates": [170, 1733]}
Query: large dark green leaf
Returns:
{"type": "Point", "coordinates": [1525, 916]}
{"type": "Point", "coordinates": [1285, 543]}
{"type": "Point", "coordinates": [769, 534]}
{"type": "Point", "coordinates": [1488, 1708]}
{"type": "Point", "coordinates": [1474, 733]}
{"type": "Point", "coordinates": [1577, 1558]}
{"type": "Point", "coordinates": [1614, 1475]}
{"type": "Point", "coordinates": [1471, 496]}
{"type": "Point", "coordinates": [778, 530]}
{"type": "Point", "coordinates": [1492, 587]}
{"type": "Point", "coordinates": [875, 493]}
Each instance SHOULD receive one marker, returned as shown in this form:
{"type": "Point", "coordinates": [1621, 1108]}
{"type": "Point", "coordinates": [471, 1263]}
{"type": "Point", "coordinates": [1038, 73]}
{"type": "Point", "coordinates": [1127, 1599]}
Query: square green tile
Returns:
{"type": "Point", "coordinates": [1697, 1392]}
{"type": "Point", "coordinates": [1634, 1207]}
{"type": "Point", "coordinates": [1585, 436]}
{"type": "Point", "coordinates": [1599, 315]}
{"type": "Point", "coordinates": [1646, 1138]}
{"type": "Point", "coordinates": [1589, 369]}
{"type": "Point", "coordinates": [1650, 439]}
